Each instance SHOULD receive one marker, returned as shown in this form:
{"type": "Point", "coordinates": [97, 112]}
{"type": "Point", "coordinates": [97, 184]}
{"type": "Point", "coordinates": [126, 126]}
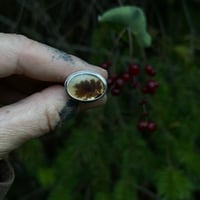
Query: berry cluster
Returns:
{"type": "Point", "coordinates": [131, 77]}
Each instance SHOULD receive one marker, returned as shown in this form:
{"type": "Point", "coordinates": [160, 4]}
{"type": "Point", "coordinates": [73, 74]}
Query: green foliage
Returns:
{"type": "Point", "coordinates": [102, 196]}
{"type": "Point", "coordinates": [130, 17]}
{"type": "Point", "coordinates": [100, 154]}
{"type": "Point", "coordinates": [46, 177]}
{"type": "Point", "coordinates": [172, 184]}
{"type": "Point", "coordinates": [124, 190]}
{"type": "Point", "coordinates": [33, 165]}
{"type": "Point", "coordinates": [60, 192]}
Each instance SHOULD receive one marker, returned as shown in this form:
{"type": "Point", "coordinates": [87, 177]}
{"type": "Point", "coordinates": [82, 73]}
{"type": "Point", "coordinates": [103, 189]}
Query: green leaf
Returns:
{"type": "Point", "coordinates": [60, 191]}
{"type": "Point", "coordinates": [183, 52]}
{"type": "Point", "coordinates": [131, 17]}
{"type": "Point", "coordinates": [124, 190]}
{"type": "Point", "coordinates": [172, 184]}
{"type": "Point", "coordinates": [102, 196]}
{"type": "Point", "coordinates": [46, 177]}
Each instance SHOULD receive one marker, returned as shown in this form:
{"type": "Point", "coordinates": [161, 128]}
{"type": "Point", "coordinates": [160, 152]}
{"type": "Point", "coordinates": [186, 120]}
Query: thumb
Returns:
{"type": "Point", "coordinates": [32, 117]}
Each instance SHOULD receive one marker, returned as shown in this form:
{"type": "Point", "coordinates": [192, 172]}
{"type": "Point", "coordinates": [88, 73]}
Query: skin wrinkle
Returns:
{"type": "Point", "coordinates": [70, 59]}
{"type": "Point", "coordinates": [52, 117]}
{"type": "Point", "coordinates": [13, 126]}
{"type": "Point", "coordinates": [55, 55]}
{"type": "Point", "coordinates": [51, 111]}
{"type": "Point", "coordinates": [42, 109]}
{"type": "Point", "coordinates": [7, 54]}
{"type": "Point", "coordinates": [24, 43]}
{"type": "Point", "coordinates": [5, 142]}
{"type": "Point", "coordinates": [47, 109]}
{"type": "Point", "coordinates": [52, 55]}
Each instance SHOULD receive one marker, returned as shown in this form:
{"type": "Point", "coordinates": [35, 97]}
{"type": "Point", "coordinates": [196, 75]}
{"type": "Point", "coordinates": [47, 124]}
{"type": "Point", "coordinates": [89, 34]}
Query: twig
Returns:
{"type": "Point", "coordinates": [53, 4]}
{"type": "Point", "coordinates": [120, 2]}
{"type": "Point", "coordinates": [34, 193]}
{"type": "Point", "coordinates": [6, 21]}
{"type": "Point", "coordinates": [130, 44]}
{"type": "Point", "coordinates": [121, 121]}
{"type": "Point", "coordinates": [191, 26]}
{"type": "Point", "coordinates": [117, 40]}
{"type": "Point", "coordinates": [148, 192]}
{"type": "Point", "coordinates": [159, 18]}
{"type": "Point", "coordinates": [21, 11]}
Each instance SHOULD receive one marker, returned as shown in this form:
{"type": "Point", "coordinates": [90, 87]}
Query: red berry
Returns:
{"type": "Point", "coordinates": [149, 70]}
{"type": "Point", "coordinates": [114, 77]}
{"type": "Point", "coordinates": [151, 126]}
{"type": "Point", "coordinates": [106, 64]}
{"type": "Point", "coordinates": [142, 125]}
{"type": "Point", "coordinates": [115, 91]}
{"type": "Point", "coordinates": [145, 114]}
{"type": "Point", "coordinates": [135, 84]}
{"type": "Point", "coordinates": [126, 76]}
{"type": "Point", "coordinates": [119, 83]}
{"type": "Point", "coordinates": [109, 81]}
{"type": "Point", "coordinates": [146, 126]}
{"type": "Point", "coordinates": [144, 90]}
{"type": "Point", "coordinates": [143, 102]}
{"type": "Point", "coordinates": [134, 69]}
{"type": "Point", "coordinates": [151, 86]}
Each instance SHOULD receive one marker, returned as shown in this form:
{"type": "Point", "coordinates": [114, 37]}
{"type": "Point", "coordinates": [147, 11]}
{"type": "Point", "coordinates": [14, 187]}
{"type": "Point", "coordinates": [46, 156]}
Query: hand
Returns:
{"type": "Point", "coordinates": [31, 84]}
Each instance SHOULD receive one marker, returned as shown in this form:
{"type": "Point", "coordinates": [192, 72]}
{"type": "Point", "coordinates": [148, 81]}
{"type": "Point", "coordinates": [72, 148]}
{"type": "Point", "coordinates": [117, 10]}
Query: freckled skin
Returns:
{"type": "Point", "coordinates": [67, 111]}
{"type": "Point", "coordinates": [57, 55]}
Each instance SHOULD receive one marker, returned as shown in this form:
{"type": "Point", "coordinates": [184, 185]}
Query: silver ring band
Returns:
{"type": "Point", "coordinates": [85, 86]}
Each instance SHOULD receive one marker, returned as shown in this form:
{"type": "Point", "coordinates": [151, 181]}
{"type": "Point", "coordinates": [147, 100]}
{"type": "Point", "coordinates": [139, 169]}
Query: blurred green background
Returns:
{"type": "Point", "coordinates": [100, 154]}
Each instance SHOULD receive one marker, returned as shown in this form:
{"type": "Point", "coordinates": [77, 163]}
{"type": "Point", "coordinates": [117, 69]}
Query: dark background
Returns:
{"type": "Point", "coordinates": [100, 154]}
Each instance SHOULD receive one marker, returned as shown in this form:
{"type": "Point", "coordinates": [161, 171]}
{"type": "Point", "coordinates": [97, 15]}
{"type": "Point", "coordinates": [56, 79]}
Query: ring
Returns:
{"type": "Point", "coordinates": [85, 86]}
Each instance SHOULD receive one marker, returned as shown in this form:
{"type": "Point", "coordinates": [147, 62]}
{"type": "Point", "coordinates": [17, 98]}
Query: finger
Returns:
{"type": "Point", "coordinates": [20, 55]}
{"type": "Point", "coordinates": [31, 117]}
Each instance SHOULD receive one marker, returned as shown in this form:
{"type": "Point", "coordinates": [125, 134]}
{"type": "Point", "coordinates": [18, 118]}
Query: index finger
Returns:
{"type": "Point", "coordinates": [23, 56]}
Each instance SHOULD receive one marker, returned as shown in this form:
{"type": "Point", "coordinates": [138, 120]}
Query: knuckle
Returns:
{"type": "Point", "coordinates": [52, 118]}
{"type": "Point", "coordinates": [24, 43]}
{"type": "Point", "coordinates": [20, 37]}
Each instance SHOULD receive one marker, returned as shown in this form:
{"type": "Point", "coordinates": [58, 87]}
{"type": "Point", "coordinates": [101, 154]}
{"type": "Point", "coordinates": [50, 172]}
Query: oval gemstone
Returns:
{"type": "Point", "coordinates": [85, 86]}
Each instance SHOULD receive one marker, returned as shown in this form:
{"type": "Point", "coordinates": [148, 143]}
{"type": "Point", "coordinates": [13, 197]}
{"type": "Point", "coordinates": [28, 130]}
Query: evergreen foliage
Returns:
{"type": "Point", "coordinates": [100, 154]}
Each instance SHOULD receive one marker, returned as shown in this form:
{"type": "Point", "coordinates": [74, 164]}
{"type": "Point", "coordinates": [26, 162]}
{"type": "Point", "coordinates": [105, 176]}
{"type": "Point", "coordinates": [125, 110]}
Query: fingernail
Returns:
{"type": "Point", "coordinates": [104, 73]}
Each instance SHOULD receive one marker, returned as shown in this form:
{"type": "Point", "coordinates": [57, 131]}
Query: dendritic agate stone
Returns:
{"type": "Point", "coordinates": [85, 86]}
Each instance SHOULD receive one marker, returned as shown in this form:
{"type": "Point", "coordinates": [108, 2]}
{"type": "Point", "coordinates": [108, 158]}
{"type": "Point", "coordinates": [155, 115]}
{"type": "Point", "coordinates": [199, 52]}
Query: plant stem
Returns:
{"type": "Point", "coordinates": [117, 41]}
{"type": "Point", "coordinates": [191, 26]}
{"type": "Point", "coordinates": [147, 192]}
{"type": "Point", "coordinates": [120, 2]}
{"type": "Point", "coordinates": [130, 44]}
